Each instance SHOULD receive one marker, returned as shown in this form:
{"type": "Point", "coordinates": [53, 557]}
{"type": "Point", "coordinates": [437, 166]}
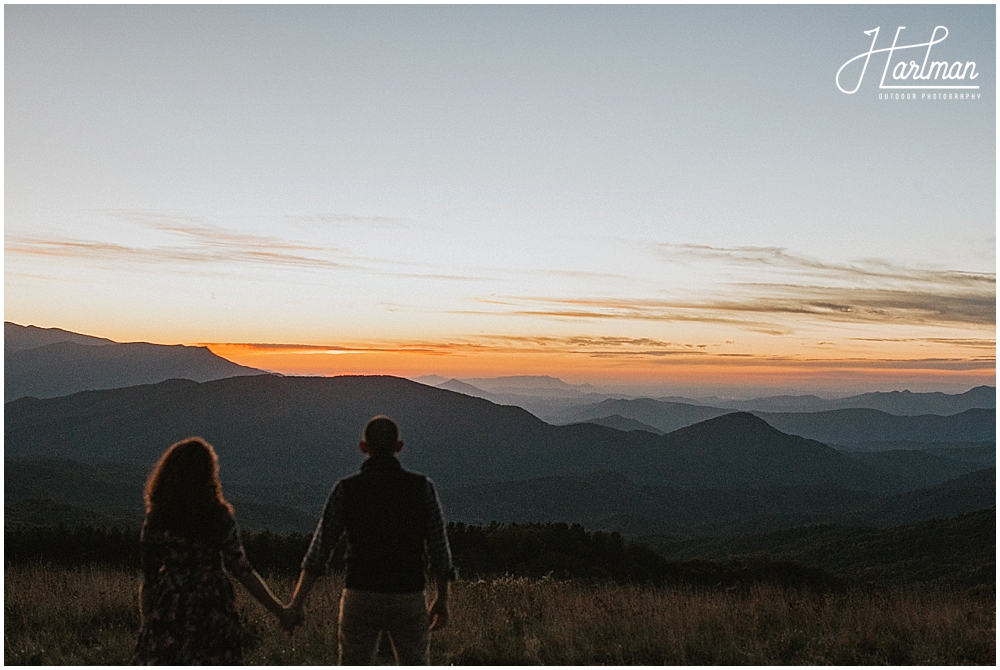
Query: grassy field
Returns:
{"type": "Point", "coordinates": [89, 616]}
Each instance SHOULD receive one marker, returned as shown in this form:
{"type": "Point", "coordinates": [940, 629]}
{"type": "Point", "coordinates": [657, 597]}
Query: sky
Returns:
{"type": "Point", "coordinates": [674, 197]}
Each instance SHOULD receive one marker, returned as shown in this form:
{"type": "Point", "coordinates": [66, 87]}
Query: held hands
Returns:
{"type": "Point", "coordinates": [439, 614]}
{"type": "Point", "coordinates": [290, 618]}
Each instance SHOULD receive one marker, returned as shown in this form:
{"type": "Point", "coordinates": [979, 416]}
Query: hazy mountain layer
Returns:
{"type": "Point", "coordinates": [665, 417]}
{"type": "Point", "coordinates": [853, 426]}
{"type": "Point", "coordinates": [557, 402]}
{"type": "Point", "coordinates": [901, 403]}
{"type": "Point", "coordinates": [543, 400]}
{"type": "Point", "coordinates": [618, 422]}
{"type": "Point", "coordinates": [838, 427]}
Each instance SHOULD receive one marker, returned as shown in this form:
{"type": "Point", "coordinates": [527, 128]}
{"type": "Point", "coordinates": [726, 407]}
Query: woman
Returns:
{"type": "Point", "coordinates": [186, 600]}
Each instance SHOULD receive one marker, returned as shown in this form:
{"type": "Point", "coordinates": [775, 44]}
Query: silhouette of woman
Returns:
{"type": "Point", "coordinates": [186, 600]}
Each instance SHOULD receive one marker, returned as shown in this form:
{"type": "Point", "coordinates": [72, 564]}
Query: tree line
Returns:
{"type": "Point", "coordinates": [554, 550]}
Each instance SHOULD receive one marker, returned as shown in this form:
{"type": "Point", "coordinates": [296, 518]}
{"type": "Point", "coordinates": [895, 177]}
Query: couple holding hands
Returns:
{"type": "Point", "coordinates": [393, 525]}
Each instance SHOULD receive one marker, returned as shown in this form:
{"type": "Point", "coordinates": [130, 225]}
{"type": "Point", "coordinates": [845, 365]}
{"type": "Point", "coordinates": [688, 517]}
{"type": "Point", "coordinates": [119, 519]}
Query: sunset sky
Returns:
{"type": "Point", "coordinates": [673, 197]}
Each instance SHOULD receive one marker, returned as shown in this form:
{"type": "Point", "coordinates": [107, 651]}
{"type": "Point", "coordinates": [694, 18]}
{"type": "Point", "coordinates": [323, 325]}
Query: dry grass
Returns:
{"type": "Point", "coordinates": [89, 616]}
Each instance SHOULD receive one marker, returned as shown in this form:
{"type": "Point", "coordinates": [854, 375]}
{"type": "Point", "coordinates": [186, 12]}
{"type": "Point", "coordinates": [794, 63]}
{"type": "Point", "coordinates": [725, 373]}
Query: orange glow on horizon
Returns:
{"type": "Point", "coordinates": [687, 369]}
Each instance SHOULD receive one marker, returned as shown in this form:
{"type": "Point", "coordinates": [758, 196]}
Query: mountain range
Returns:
{"type": "Point", "coordinates": [282, 441]}
{"type": "Point", "coordinates": [639, 465]}
{"type": "Point", "coordinates": [307, 428]}
{"type": "Point", "coordinates": [900, 403]}
{"type": "Point", "coordinates": [842, 427]}
{"type": "Point", "coordinates": [51, 362]}
{"type": "Point", "coordinates": [557, 402]}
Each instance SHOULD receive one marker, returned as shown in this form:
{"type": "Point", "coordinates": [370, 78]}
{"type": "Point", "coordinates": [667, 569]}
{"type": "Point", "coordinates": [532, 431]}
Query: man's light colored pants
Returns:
{"type": "Point", "coordinates": [365, 614]}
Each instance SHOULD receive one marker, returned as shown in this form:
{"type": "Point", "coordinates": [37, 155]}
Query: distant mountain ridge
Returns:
{"type": "Point", "coordinates": [665, 417]}
{"type": "Point", "coordinates": [619, 422]}
{"type": "Point", "coordinates": [900, 403]}
{"type": "Point", "coordinates": [543, 396]}
{"type": "Point", "coordinates": [51, 362]}
{"type": "Point", "coordinates": [842, 427]}
{"type": "Point", "coordinates": [555, 401]}
{"type": "Point", "coordinates": [510, 383]}
{"type": "Point", "coordinates": [853, 426]}
{"type": "Point", "coordinates": [19, 338]}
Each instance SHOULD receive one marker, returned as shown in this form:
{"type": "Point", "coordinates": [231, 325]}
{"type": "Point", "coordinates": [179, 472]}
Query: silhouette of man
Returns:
{"type": "Point", "coordinates": [393, 523]}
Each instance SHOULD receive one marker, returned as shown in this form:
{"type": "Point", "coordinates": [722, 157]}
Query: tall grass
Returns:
{"type": "Point", "coordinates": [89, 616]}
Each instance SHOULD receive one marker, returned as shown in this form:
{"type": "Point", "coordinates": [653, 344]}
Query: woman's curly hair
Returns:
{"type": "Point", "coordinates": [183, 493]}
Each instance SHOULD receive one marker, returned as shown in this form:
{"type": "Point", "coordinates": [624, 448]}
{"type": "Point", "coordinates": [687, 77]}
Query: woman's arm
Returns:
{"type": "Point", "coordinates": [235, 559]}
{"type": "Point", "coordinates": [288, 617]}
{"type": "Point", "coordinates": [258, 589]}
{"type": "Point", "coordinates": [144, 603]}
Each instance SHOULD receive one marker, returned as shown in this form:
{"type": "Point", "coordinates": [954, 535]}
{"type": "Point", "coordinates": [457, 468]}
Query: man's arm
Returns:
{"type": "Point", "coordinates": [302, 589]}
{"type": "Point", "coordinates": [439, 606]}
{"type": "Point", "coordinates": [439, 553]}
{"type": "Point", "coordinates": [144, 603]}
{"type": "Point", "coordinates": [328, 532]}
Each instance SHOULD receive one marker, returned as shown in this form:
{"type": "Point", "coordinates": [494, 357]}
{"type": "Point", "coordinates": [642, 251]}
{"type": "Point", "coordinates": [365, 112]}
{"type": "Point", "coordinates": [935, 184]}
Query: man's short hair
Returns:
{"type": "Point", "coordinates": [381, 435]}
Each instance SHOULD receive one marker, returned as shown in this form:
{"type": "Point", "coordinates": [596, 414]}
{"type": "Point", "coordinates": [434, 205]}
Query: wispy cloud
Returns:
{"type": "Point", "coordinates": [775, 313]}
{"type": "Point", "coordinates": [856, 272]}
{"type": "Point", "coordinates": [963, 342]}
{"type": "Point", "coordinates": [214, 254]}
{"type": "Point", "coordinates": [800, 290]}
{"type": "Point", "coordinates": [189, 242]}
{"type": "Point", "coordinates": [618, 309]}
{"type": "Point", "coordinates": [599, 346]}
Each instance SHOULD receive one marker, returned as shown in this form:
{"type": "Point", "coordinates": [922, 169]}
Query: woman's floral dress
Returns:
{"type": "Point", "coordinates": [192, 618]}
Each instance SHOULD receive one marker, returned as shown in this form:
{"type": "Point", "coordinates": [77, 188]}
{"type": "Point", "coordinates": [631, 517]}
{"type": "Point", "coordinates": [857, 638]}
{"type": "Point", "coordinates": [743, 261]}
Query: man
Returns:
{"type": "Point", "coordinates": [391, 517]}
